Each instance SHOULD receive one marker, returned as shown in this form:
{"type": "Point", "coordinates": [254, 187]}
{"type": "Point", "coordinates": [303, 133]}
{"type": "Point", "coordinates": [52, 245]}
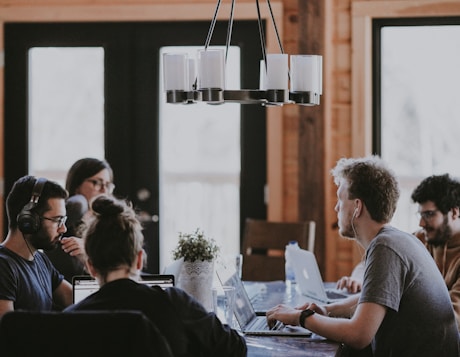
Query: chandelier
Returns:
{"type": "Point", "coordinates": [189, 80]}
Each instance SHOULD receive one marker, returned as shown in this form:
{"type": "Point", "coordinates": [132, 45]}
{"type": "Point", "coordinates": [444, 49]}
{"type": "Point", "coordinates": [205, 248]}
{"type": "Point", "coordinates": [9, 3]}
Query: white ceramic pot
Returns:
{"type": "Point", "coordinates": [196, 279]}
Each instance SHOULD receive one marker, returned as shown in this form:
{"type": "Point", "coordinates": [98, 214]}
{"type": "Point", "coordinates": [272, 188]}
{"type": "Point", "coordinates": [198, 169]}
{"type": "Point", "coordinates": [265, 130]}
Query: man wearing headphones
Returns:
{"type": "Point", "coordinates": [28, 280]}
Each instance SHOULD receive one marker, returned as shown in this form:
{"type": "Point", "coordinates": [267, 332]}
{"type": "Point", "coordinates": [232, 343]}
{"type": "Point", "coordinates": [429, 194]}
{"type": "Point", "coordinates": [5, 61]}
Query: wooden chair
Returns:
{"type": "Point", "coordinates": [80, 333]}
{"type": "Point", "coordinates": [264, 244]}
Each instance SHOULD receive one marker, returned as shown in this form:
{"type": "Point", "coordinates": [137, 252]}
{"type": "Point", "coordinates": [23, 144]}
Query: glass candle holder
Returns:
{"type": "Point", "coordinates": [211, 69]}
{"type": "Point", "coordinates": [277, 71]}
{"type": "Point", "coordinates": [306, 73]}
{"type": "Point", "coordinates": [175, 71]}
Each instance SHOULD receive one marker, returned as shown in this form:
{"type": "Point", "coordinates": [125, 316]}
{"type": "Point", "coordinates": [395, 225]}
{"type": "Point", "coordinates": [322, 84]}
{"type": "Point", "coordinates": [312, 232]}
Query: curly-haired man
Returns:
{"type": "Point", "coordinates": [438, 198]}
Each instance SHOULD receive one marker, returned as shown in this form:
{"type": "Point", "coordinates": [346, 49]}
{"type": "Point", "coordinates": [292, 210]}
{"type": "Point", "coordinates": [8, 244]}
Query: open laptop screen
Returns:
{"type": "Point", "coordinates": [244, 311]}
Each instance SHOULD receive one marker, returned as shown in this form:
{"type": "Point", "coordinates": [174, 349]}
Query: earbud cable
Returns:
{"type": "Point", "coordinates": [41, 282]}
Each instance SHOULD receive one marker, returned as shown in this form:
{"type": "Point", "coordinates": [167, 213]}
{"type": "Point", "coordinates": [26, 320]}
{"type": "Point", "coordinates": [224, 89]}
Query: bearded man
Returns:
{"type": "Point", "coordinates": [28, 280]}
{"type": "Point", "coordinates": [438, 197]}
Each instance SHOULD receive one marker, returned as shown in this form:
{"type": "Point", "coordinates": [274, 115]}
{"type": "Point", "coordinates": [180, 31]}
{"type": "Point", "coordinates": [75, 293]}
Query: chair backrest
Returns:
{"type": "Point", "coordinates": [81, 333]}
{"type": "Point", "coordinates": [264, 243]}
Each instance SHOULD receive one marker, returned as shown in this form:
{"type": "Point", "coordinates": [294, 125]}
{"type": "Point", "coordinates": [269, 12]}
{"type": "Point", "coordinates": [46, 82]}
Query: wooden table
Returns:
{"type": "Point", "coordinates": [268, 294]}
{"type": "Point", "coordinates": [271, 346]}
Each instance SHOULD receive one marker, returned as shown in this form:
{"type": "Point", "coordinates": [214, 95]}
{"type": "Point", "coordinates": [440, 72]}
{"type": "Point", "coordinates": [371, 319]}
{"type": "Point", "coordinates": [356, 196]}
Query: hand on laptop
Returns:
{"type": "Point", "coordinates": [319, 309]}
{"type": "Point", "coordinates": [288, 315]}
{"type": "Point", "coordinates": [353, 285]}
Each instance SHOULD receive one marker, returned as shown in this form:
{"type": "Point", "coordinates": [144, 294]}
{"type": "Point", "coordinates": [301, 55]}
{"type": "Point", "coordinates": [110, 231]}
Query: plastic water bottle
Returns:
{"type": "Point", "coordinates": [290, 276]}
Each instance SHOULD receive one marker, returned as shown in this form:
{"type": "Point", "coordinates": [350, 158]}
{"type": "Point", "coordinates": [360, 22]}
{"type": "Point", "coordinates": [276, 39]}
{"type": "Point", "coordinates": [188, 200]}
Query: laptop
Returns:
{"type": "Point", "coordinates": [174, 268]}
{"type": "Point", "coordinates": [250, 323]}
{"type": "Point", "coordinates": [308, 278]}
{"type": "Point", "coordinates": [84, 285]}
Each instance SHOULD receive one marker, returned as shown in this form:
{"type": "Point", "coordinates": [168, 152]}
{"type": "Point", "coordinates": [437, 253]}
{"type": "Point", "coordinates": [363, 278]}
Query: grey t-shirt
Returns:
{"type": "Point", "coordinates": [402, 276]}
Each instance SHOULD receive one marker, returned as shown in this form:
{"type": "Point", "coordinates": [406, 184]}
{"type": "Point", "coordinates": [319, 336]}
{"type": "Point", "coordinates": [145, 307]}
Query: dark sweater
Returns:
{"type": "Point", "coordinates": [188, 327]}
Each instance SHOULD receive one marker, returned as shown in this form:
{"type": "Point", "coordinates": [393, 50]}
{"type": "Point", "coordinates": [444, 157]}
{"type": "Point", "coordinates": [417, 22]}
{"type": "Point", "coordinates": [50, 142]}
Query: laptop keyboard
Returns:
{"type": "Point", "coordinates": [331, 294]}
{"type": "Point", "coordinates": [261, 325]}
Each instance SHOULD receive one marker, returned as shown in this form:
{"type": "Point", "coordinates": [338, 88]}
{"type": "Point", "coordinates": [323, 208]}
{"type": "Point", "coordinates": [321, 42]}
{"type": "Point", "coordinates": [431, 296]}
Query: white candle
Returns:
{"type": "Point", "coordinates": [262, 76]}
{"type": "Point", "coordinates": [277, 71]}
{"type": "Point", "coordinates": [211, 69]}
{"type": "Point", "coordinates": [306, 73]}
{"type": "Point", "coordinates": [175, 71]}
{"type": "Point", "coordinates": [191, 73]}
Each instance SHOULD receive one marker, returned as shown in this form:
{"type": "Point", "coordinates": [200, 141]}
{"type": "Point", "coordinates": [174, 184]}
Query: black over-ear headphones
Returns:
{"type": "Point", "coordinates": [28, 221]}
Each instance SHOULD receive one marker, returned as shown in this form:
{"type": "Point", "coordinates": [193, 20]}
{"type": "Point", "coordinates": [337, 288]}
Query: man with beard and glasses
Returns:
{"type": "Point", "coordinates": [438, 199]}
{"type": "Point", "coordinates": [36, 215]}
{"type": "Point", "coordinates": [404, 307]}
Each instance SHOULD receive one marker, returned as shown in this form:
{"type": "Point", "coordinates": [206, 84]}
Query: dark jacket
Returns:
{"type": "Point", "coordinates": [189, 328]}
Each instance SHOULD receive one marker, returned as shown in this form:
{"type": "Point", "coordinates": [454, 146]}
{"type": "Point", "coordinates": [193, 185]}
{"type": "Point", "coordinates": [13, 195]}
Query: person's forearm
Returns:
{"type": "Point", "coordinates": [340, 330]}
{"type": "Point", "coordinates": [343, 308]}
{"type": "Point", "coordinates": [356, 332]}
{"type": "Point", "coordinates": [454, 293]}
{"type": "Point", "coordinates": [5, 306]}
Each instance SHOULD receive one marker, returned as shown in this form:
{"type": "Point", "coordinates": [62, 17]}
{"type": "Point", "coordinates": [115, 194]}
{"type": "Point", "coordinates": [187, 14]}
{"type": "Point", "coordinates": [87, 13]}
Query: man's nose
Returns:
{"type": "Point", "coordinates": [62, 229]}
{"type": "Point", "coordinates": [422, 222]}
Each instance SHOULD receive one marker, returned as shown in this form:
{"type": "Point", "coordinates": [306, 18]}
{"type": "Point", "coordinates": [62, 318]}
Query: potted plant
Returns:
{"type": "Point", "coordinates": [199, 254]}
{"type": "Point", "coordinates": [195, 247]}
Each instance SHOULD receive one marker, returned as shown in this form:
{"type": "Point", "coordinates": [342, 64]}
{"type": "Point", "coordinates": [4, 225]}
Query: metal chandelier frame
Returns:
{"type": "Point", "coordinates": [305, 74]}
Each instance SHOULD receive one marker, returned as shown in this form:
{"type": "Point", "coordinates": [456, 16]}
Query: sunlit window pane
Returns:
{"type": "Point", "coordinates": [200, 167]}
{"type": "Point", "coordinates": [420, 112]}
{"type": "Point", "coordinates": [66, 101]}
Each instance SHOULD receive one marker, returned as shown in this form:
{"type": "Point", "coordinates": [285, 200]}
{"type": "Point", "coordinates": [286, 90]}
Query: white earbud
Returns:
{"type": "Point", "coordinates": [355, 212]}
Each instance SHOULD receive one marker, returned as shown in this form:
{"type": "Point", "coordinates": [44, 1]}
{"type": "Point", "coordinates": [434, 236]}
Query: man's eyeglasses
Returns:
{"type": "Point", "coordinates": [98, 184]}
{"type": "Point", "coordinates": [427, 215]}
{"type": "Point", "coordinates": [59, 220]}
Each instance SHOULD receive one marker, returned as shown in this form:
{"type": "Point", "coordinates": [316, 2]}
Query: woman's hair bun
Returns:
{"type": "Point", "coordinates": [106, 206]}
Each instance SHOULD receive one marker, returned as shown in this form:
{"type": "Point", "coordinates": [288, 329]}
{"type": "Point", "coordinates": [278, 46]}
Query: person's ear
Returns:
{"type": "Point", "coordinates": [90, 268]}
{"type": "Point", "coordinates": [140, 260]}
{"type": "Point", "coordinates": [357, 207]}
{"type": "Point", "coordinates": [455, 213]}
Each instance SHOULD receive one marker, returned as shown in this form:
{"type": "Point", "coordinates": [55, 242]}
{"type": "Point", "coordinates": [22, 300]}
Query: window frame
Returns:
{"type": "Point", "coordinates": [363, 78]}
{"type": "Point", "coordinates": [377, 25]}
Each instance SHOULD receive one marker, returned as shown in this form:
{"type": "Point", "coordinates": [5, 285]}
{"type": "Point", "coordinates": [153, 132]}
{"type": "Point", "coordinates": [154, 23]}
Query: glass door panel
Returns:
{"type": "Point", "coordinates": [200, 150]}
{"type": "Point", "coordinates": [420, 116]}
{"type": "Point", "coordinates": [66, 108]}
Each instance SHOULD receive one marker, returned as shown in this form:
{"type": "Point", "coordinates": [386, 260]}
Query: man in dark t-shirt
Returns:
{"type": "Point", "coordinates": [36, 215]}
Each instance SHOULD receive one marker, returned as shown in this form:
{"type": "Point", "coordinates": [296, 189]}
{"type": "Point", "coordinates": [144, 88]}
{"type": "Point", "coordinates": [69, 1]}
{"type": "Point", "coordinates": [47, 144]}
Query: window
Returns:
{"type": "Point", "coordinates": [200, 166]}
{"type": "Point", "coordinates": [417, 112]}
{"type": "Point", "coordinates": [66, 108]}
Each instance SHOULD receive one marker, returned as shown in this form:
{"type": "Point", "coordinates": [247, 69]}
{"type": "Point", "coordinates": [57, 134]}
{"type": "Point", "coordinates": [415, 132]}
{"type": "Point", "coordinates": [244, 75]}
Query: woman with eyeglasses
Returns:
{"type": "Point", "coordinates": [86, 179]}
{"type": "Point", "coordinates": [90, 177]}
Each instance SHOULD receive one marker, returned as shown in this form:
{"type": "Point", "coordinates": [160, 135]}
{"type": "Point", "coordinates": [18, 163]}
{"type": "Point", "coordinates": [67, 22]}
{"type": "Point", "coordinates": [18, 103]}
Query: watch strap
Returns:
{"type": "Point", "coordinates": [303, 315]}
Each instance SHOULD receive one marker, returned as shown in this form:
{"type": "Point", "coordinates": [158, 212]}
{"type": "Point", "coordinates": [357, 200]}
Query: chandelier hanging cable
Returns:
{"type": "Point", "coordinates": [187, 80]}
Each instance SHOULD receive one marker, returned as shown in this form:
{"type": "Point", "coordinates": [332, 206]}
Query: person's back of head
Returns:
{"type": "Point", "coordinates": [114, 236]}
{"type": "Point", "coordinates": [22, 193]}
{"type": "Point", "coordinates": [83, 169]}
{"type": "Point", "coordinates": [370, 180]}
{"type": "Point", "coordinates": [440, 189]}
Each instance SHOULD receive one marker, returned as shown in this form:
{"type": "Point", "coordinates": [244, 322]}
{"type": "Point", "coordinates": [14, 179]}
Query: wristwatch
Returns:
{"type": "Point", "coordinates": [303, 315]}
